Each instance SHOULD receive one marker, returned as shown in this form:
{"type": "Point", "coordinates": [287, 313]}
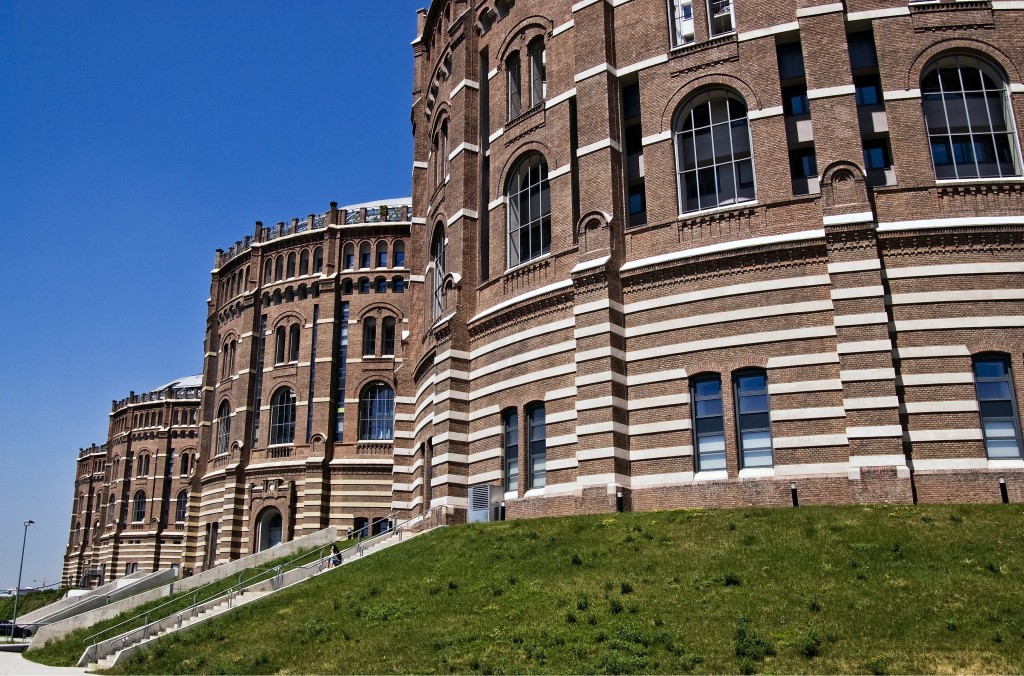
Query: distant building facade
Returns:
{"type": "Point", "coordinates": [662, 253]}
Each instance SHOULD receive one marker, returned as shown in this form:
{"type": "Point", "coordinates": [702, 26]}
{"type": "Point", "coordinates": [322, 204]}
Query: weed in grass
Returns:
{"type": "Point", "coordinates": [956, 518]}
{"type": "Point", "coordinates": [600, 637]}
{"type": "Point", "coordinates": [626, 588]}
{"type": "Point", "coordinates": [570, 617]}
{"type": "Point", "coordinates": [732, 525]}
{"type": "Point", "coordinates": [810, 644]}
{"type": "Point", "coordinates": [582, 602]}
{"type": "Point", "coordinates": [997, 637]}
{"type": "Point", "coordinates": [747, 666]}
{"type": "Point", "coordinates": [615, 606]}
{"type": "Point", "coordinates": [748, 643]}
{"type": "Point", "coordinates": [994, 567]}
{"type": "Point", "coordinates": [814, 606]}
{"type": "Point", "coordinates": [748, 540]}
{"type": "Point", "coordinates": [592, 620]}
{"type": "Point", "coordinates": [732, 580]}
{"type": "Point", "coordinates": [512, 579]}
{"type": "Point", "coordinates": [854, 563]}
{"type": "Point", "coordinates": [434, 589]}
{"type": "Point", "coordinates": [576, 560]}
{"type": "Point", "coordinates": [497, 591]}
{"type": "Point", "coordinates": [608, 586]}
{"type": "Point", "coordinates": [951, 625]}
{"type": "Point", "coordinates": [862, 575]}
{"type": "Point", "coordinates": [452, 585]}
{"type": "Point", "coordinates": [879, 666]}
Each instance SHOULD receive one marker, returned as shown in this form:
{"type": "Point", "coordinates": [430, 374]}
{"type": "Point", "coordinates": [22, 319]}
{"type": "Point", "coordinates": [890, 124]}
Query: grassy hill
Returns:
{"type": "Point", "coordinates": [811, 590]}
{"type": "Point", "coordinates": [28, 602]}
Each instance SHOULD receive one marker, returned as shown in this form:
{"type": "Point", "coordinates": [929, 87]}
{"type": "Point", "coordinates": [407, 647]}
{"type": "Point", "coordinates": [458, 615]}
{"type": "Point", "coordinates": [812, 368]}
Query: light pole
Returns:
{"type": "Point", "coordinates": [17, 590]}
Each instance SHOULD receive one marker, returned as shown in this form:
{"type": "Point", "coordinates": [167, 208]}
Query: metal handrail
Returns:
{"type": "Point", "coordinates": [229, 592]}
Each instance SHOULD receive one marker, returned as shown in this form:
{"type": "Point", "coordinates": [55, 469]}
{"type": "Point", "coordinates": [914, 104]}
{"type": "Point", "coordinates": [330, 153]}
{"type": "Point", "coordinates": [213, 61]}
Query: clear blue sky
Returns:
{"type": "Point", "coordinates": [136, 137]}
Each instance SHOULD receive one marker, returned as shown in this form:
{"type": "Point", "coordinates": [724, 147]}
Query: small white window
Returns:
{"type": "Point", "coordinates": [680, 14]}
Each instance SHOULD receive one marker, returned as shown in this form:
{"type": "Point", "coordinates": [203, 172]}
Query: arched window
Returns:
{"type": "Point", "coordinates": [282, 416]}
{"type": "Point", "coordinates": [346, 287]}
{"type": "Point", "coordinates": [223, 429]}
{"type": "Point", "coordinates": [170, 463]}
{"type": "Point", "coordinates": [753, 418]}
{"type": "Point", "coordinates": [713, 158]}
{"type": "Point", "coordinates": [318, 260]}
{"type": "Point", "coordinates": [399, 254]}
{"type": "Point", "coordinates": [185, 464]}
{"type": "Point", "coordinates": [377, 413]}
{"type": "Point", "coordinates": [510, 443]}
{"type": "Point", "coordinates": [291, 265]}
{"type": "Point", "coordinates": [536, 439]}
{"type": "Point", "coordinates": [387, 337]}
{"type": "Point", "coordinates": [380, 285]}
{"type": "Point", "coordinates": [350, 256]}
{"type": "Point", "coordinates": [364, 285]}
{"type": "Point", "coordinates": [78, 533]}
{"type": "Point", "coordinates": [139, 507]}
{"type": "Point", "coordinates": [708, 422]}
{"type": "Point", "coordinates": [364, 255]}
{"type": "Point", "coordinates": [967, 116]}
{"type": "Point", "coordinates": [369, 337]}
{"type": "Point", "coordinates": [443, 149]}
{"type": "Point", "coordinates": [513, 81]}
{"type": "Point", "coordinates": [538, 72]}
{"type": "Point", "coordinates": [181, 508]}
{"type": "Point", "coordinates": [279, 269]}
{"type": "Point", "coordinates": [997, 406]}
{"type": "Point", "coordinates": [529, 211]}
{"type": "Point", "coordinates": [382, 254]}
{"type": "Point", "coordinates": [437, 251]}
{"type": "Point", "coordinates": [231, 356]}
{"type": "Point", "coordinates": [279, 345]}
{"type": "Point", "coordinates": [304, 263]}
{"type": "Point", "coordinates": [293, 343]}
{"type": "Point", "coordinates": [111, 510]}
{"type": "Point", "coordinates": [143, 465]}
{"type": "Point", "coordinates": [398, 284]}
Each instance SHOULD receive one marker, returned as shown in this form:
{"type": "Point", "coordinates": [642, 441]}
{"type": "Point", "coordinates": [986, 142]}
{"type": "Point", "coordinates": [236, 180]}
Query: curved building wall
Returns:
{"type": "Point", "coordinates": [799, 310]}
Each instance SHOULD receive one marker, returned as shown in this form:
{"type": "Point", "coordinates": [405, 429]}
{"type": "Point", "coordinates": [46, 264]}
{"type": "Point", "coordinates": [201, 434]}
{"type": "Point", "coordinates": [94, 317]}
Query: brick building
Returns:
{"type": "Point", "coordinates": [662, 253]}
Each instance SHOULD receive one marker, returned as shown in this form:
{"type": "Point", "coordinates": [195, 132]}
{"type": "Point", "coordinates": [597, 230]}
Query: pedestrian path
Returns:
{"type": "Point", "coordinates": [14, 664]}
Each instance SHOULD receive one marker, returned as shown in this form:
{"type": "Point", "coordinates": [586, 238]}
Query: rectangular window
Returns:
{"type": "Point", "coordinates": [753, 420]}
{"type": "Point", "coordinates": [708, 423]}
{"type": "Point", "coordinates": [537, 441]}
{"type": "Point", "coordinates": [258, 394]}
{"type": "Point", "coordinates": [720, 17]}
{"type": "Point", "coordinates": [680, 18]}
{"type": "Point", "coordinates": [877, 155]}
{"type": "Point", "coordinates": [794, 100]}
{"type": "Point", "coordinates": [862, 50]}
{"type": "Point", "coordinates": [514, 87]}
{"type": "Point", "coordinates": [339, 415]}
{"type": "Point", "coordinates": [997, 406]}
{"type": "Point", "coordinates": [790, 57]}
{"type": "Point", "coordinates": [868, 90]}
{"type": "Point", "coordinates": [803, 163]}
{"type": "Point", "coordinates": [510, 430]}
{"type": "Point", "coordinates": [538, 73]}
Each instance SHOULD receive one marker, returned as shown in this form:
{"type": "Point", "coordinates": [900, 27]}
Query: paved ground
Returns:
{"type": "Point", "coordinates": [13, 664]}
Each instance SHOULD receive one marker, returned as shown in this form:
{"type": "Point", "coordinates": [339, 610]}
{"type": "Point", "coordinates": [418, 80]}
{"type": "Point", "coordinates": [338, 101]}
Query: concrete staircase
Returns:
{"type": "Point", "coordinates": [110, 652]}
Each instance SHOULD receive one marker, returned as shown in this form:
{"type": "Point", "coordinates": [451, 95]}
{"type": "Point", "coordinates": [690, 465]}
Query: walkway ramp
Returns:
{"type": "Point", "coordinates": [122, 588]}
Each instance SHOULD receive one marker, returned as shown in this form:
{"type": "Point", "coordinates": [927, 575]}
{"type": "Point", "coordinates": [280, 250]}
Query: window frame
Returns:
{"type": "Point", "coordinates": [282, 417]}
{"type": "Point", "coordinates": [698, 435]}
{"type": "Point", "coordinates": [377, 412]}
{"type": "Point", "coordinates": [536, 444]}
{"type": "Point", "coordinates": [223, 428]}
{"type": "Point", "coordinates": [510, 450]}
{"type": "Point", "coordinates": [518, 193]}
{"type": "Point", "coordinates": [139, 506]}
{"type": "Point", "coordinates": [739, 396]}
{"type": "Point", "coordinates": [678, 18]}
{"type": "Point", "coordinates": [1007, 377]}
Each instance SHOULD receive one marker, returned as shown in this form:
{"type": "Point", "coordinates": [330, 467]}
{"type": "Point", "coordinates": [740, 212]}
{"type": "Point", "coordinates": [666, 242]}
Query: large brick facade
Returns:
{"type": "Point", "coordinates": [619, 207]}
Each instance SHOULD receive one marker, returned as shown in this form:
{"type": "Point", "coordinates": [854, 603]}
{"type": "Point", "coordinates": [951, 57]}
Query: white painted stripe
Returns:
{"type": "Point", "coordinates": [812, 469]}
{"type": "Point", "coordinates": [922, 379]}
{"type": "Point", "coordinates": [874, 431]}
{"type": "Point", "coordinates": [656, 453]}
{"type": "Point", "coordinates": [945, 435]}
{"type": "Point", "coordinates": [658, 480]}
{"type": "Point", "coordinates": [592, 71]}
{"type": "Point", "coordinates": [957, 296]}
{"type": "Point", "coordinates": [558, 30]}
{"type": "Point", "coordinates": [730, 316]}
{"type": "Point", "coordinates": [771, 30]}
{"type": "Point", "coordinates": [878, 13]}
{"type": "Point", "coordinates": [472, 84]}
{"type": "Point", "coordinates": [932, 351]}
{"type": "Point", "coordinates": [656, 377]}
{"type": "Point", "coordinates": [561, 171]}
{"type": "Point", "coordinates": [726, 291]}
{"type": "Point", "coordinates": [878, 460]}
{"type": "Point", "coordinates": [861, 346]}
{"type": "Point", "coordinates": [563, 463]}
{"type": "Point", "coordinates": [848, 219]}
{"type": "Point", "coordinates": [876, 291]}
{"type": "Point", "coordinates": [1008, 5]}
{"type": "Point", "coordinates": [862, 319]}
{"type": "Point", "coordinates": [802, 360]}
{"type": "Point", "coordinates": [599, 145]}
{"type": "Point", "coordinates": [496, 135]}
{"type": "Point", "coordinates": [949, 463]}
{"type": "Point", "coordinates": [955, 406]}
{"type": "Point", "coordinates": [863, 375]}
{"type": "Point", "coordinates": [510, 383]}
{"type": "Point", "coordinates": [953, 323]}
{"type": "Point", "coordinates": [660, 427]}
{"type": "Point", "coordinates": [810, 441]}
{"type": "Point", "coordinates": [658, 402]}
{"type": "Point", "coordinates": [589, 265]}
{"type": "Point", "coordinates": [550, 288]}
{"type": "Point", "coordinates": [725, 246]}
{"type": "Point", "coordinates": [595, 306]}
{"type": "Point", "coordinates": [954, 269]}
{"type": "Point", "coordinates": [826, 92]}
{"type": "Point", "coordinates": [525, 357]}
{"type": "Point", "coordinates": [462, 213]}
{"type": "Point", "coordinates": [492, 73]}
{"type": "Point", "coordinates": [597, 402]}
{"type": "Point", "coordinates": [560, 416]}
{"type": "Point", "coordinates": [813, 413]}
{"type": "Point", "coordinates": [602, 454]}
{"type": "Point", "coordinates": [601, 329]}
{"type": "Point", "coordinates": [805, 386]}
{"type": "Point", "coordinates": [854, 266]}
{"type": "Point", "coordinates": [950, 223]}
{"type": "Point", "coordinates": [734, 341]}
{"type": "Point", "coordinates": [564, 393]}
{"type": "Point", "coordinates": [802, 12]}
{"type": "Point", "coordinates": [656, 138]}
{"type": "Point", "coordinates": [641, 65]}
{"type": "Point", "coordinates": [901, 94]}
{"type": "Point", "coordinates": [561, 98]}
{"type": "Point", "coordinates": [599, 353]}
{"type": "Point", "coordinates": [582, 4]}
{"type": "Point", "coordinates": [516, 339]}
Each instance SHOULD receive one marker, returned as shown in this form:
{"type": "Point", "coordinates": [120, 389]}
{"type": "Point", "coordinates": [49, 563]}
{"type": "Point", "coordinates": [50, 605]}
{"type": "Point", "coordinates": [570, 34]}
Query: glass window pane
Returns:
{"type": "Point", "coordinates": [712, 425]}
{"type": "Point", "coordinates": [993, 390]}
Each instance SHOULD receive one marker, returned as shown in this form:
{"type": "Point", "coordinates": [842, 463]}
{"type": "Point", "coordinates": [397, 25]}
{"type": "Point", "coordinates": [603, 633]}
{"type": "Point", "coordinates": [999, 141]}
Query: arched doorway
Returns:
{"type": "Point", "coordinates": [271, 530]}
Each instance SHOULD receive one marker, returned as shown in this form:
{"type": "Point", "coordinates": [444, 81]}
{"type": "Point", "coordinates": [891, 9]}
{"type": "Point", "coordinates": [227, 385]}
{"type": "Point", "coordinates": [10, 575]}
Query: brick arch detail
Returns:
{"type": "Point", "coordinates": [970, 46]}
{"type": "Point", "coordinates": [705, 83]}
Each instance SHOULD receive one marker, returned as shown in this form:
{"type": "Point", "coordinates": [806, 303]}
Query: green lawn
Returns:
{"type": "Point", "coordinates": [28, 602]}
{"type": "Point", "coordinates": [812, 590]}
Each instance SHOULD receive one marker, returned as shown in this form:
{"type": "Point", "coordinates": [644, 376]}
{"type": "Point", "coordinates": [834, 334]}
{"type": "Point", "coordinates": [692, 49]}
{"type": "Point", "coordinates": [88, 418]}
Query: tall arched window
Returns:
{"type": "Point", "coordinates": [997, 406]}
{"type": "Point", "coordinates": [513, 80]}
{"type": "Point", "coordinates": [529, 211]}
{"type": "Point", "coordinates": [304, 262]}
{"type": "Point", "coordinates": [437, 250]}
{"type": "Point", "coordinates": [382, 254]}
{"type": "Point", "coordinates": [387, 337]}
{"type": "Point", "coordinates": [282, 416]}
{"type": "Point", "coordinates": [318, 260]}
{"type": "Point", "coordinates": [536, 439]}
{"type": "Point", "coordinates": [708, 422]}
{"type": "Point", "coordinates": [111, 510]}
{"type": "Point", "coordinates": [291, 265]}
{"type": "Point", "coordinates": [364, 255]}
{"type": "Point", "coordinates": [346, 287]}
{"type": "Point", "coordinates": [753, 418]}
{"type": "Point", "coordinates": [538, 72]}
{"type": "Point", "coordinates": [967, 115]}
{"type": "Point", "coordinates": [713, 157]}
{"type": "Point", "coordinates": [510, 443]}
{"type": "Point", "coordinates": [399, 254]}
{"type": "Point", "coordinates": [443, 159]}
{"type": "Point", "coordinates": [369, 337]}
{"type": "Point", "coordinates": [350, 256]}
{"type": "Point", "coordinates": [398, 284]}
{"type": "Point", "coordinates": [377, 413]}
{"type": "Point", "coordinates": [268, 272]}
{"type": "Point", "coordinates": [223, 428]}
{"type": "Point", "coordinates": [279, 268]}
{"type": "Point", "coordinates": [181, 508]}
{"type": "Point", "coordinates": [380, 285]}
{"type": "Point", "coordinates": [293, 343]}
{"type": "Point", "coordinates": [279, 345]}
{"type": "Point", "coordinates": [139, 507]}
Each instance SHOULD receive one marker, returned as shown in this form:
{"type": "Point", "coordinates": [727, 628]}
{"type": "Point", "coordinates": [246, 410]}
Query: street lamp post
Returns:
{"type": "Point", "coordinates": [17, 590]}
